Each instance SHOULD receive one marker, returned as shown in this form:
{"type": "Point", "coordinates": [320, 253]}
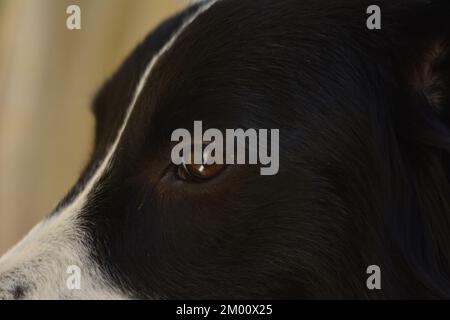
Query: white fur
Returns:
{"type": "Point", "coordinates": [41, 259]}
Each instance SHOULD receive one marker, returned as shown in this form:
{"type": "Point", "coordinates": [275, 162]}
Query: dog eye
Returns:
{"type": "Point", "coordinates": [199, 172]}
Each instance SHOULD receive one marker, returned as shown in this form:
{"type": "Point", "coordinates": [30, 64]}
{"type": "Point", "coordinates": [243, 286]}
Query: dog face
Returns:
{"type": "Point", "coordinates": [363, 175]}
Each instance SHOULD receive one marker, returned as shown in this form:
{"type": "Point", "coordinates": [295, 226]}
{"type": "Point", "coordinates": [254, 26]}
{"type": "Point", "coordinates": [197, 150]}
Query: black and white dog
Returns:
{"type": "Point", "coordinates": [364, 176]}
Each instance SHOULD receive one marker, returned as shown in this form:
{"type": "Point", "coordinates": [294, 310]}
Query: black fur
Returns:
{"type": "Point", "coordinates": [364, 155]}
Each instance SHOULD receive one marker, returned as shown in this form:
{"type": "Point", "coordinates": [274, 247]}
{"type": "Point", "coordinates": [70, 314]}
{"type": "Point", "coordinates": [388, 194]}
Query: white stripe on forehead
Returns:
{"type": "Point", "coordinates": [41, 258]}
{"type": "Point", "coordinates": [81, 198]}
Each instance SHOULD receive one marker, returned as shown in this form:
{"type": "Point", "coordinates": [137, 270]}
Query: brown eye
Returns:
{"type": "Point", "coordinates": [199, 171]}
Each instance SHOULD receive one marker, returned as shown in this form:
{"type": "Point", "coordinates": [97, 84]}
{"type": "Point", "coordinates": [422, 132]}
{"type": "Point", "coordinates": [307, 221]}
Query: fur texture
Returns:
{"type": "Point", "coordinates": [364, 161]}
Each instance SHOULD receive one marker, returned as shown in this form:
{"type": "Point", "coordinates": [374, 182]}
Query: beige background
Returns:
{"type": "Point", "coordinates": [48, 76]}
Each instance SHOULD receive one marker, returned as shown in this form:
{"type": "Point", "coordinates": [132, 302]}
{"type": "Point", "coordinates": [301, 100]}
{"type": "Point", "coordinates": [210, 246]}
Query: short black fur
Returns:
{"type": "Point", "coordinates": [364, 155]}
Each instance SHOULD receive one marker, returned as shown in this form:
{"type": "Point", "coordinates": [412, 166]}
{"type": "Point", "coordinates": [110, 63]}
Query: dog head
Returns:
{"type": "Point", "coordinates": [363, 172]}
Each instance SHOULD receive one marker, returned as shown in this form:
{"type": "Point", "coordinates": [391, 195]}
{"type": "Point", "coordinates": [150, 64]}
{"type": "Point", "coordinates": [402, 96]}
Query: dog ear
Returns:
{"type": "Point", "coordinates": [421, 46]}
{"type": "Point", "coordinates": [425, 56]}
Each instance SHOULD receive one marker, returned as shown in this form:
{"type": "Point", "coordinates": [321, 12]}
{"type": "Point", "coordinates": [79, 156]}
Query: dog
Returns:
{"type": "Point", "coordinates": [364, 168]}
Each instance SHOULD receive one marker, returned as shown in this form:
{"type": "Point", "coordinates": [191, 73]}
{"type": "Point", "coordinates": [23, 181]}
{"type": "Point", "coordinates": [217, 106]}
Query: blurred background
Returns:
{"type": "Point", "coordinates": [48, 76]}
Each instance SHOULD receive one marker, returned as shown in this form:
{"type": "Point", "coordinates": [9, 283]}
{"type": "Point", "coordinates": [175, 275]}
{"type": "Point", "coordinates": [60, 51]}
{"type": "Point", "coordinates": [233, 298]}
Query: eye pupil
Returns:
{"type": "Point", "coordinates": [203, 171]}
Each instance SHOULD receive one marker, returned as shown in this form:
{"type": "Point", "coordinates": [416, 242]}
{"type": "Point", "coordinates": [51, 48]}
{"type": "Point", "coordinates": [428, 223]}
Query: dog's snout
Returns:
{"type": "Point", "coordinates": [5, 294]}
{"type": "Point", "coordinates": [12, 286]}
{"type": "Point", "coordinates": [19, 292]}
{"type": "Point", "coordinates": [16, 293]}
